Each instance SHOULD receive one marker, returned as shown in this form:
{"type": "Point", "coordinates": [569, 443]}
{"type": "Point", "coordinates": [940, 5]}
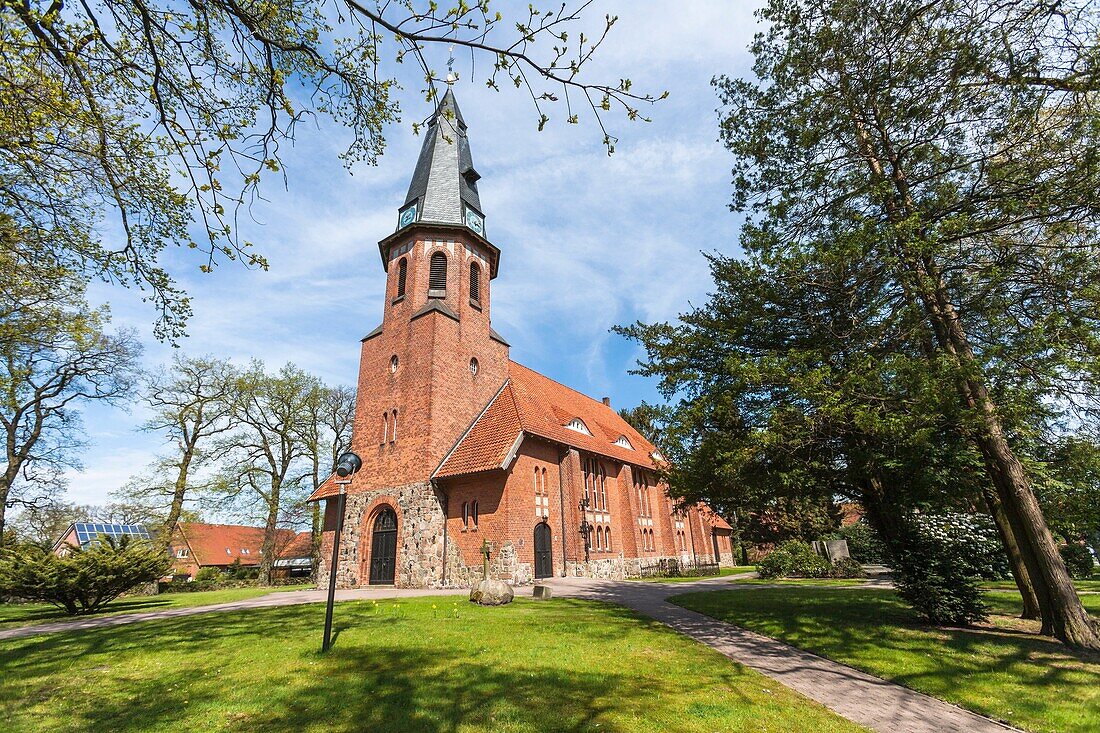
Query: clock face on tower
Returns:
{"type": "Point", "coordinates": [406, 217]}
{"type": "Point", "coordinates": [475, 221]}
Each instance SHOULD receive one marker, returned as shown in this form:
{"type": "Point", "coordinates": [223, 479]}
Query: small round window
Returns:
{"type": "Point", "coordinates": [393, 363]}
{"type": "Point", "coordinates": [473, 367]}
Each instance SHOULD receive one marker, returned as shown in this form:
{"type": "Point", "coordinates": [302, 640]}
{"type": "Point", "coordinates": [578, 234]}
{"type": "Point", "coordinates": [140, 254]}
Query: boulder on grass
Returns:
{"type": "Point", "coordinates": [491, 593]}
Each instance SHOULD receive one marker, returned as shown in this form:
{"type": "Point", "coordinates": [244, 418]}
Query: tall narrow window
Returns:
{"type": "Point", "coordinates": [607, 539]}
{"type": "Point", "coordinates": [437, 276]}
{"type": "Point", "coordinates": [465, 514]}
{"type": "Point", "coordinates": [402, 276]}
{"type": "Point", "coordinates": [385, 427]}
{"type": "Point", "coordinates": [603, 487]}
{"type": "Point", "coordinates": [475, 281]}
{"type": "Point", "coordinates": [599, 538]}
{"type": "Point", "coordinates": [475, 513]}
{"type": "Point", "coordinates": [393, 430]}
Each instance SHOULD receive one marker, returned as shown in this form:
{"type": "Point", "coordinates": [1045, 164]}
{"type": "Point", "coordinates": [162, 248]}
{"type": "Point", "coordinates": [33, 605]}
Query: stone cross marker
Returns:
{"type": "Point", "coordinates": [485, 548]}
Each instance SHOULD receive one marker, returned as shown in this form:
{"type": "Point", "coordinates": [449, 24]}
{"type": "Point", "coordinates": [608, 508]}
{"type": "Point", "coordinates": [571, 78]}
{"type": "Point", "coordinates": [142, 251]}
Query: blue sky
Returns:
{"type": "Point", "coordinates": [587, 241]}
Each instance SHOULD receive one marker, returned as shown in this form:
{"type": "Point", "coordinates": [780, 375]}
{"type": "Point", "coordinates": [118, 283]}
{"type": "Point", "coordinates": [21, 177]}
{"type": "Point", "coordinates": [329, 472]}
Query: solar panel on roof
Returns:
{"type": "Point", "coordinates": [88, 532]}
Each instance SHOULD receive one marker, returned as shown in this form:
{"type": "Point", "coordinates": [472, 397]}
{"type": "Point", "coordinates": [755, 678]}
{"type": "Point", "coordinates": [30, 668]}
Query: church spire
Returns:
{"type": "Point", "coordinates": [444, 185]}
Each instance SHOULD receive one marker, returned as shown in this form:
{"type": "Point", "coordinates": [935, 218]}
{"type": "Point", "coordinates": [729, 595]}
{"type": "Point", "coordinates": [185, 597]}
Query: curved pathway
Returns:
{"type": "Point", "coordinates": [875, 703]}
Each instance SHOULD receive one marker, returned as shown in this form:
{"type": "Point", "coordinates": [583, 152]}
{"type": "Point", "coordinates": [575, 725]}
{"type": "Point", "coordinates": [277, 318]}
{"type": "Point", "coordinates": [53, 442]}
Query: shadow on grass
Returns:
{"type": "Point", "coordinates": [1003, 673]}
{"type": "Point", "coordinates": [264, 672]}
{"type": "Point", "coordinates": [16, 614]}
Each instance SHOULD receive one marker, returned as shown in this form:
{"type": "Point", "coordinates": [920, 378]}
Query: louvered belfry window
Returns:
{"type": "Point", "coordinates": [475, 281]}
{"type": "Point", "coordinates": [402, 276]}
{"type": "Point", "coordinates": [437, 276]}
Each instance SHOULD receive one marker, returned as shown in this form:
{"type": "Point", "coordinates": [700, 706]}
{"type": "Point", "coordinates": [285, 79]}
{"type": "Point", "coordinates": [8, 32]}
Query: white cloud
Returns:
{"type": "Point", "coordinates": [588, 241]}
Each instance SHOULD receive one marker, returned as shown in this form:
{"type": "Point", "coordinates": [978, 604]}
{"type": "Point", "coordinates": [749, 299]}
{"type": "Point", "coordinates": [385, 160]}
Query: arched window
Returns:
{"type": "Point", "coordinates": [385, 427]}
{"type": "Point", "coordinates": [465, 514]}
{"type": "Point", "coordinates": [402, 276]}
{"type": "Point", "coordinates": [475, 513]}
{"type": "Point", "coordinates": [607, 538]}
{"type": "Point", "coordinates": [393, 431]}
{"type": "Point", "coordinates": [437, 276]}
{"type": "Point", "coordinates": [599, 538]}
{"type": "Point", "coordinates": [536, 481]}
{"type": "Point", "coordinates": [475, 281]}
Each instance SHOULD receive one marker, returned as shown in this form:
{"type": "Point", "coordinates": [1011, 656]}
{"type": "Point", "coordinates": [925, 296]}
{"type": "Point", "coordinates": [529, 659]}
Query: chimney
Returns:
{"type": "Point", "coordinates": [607, 401]}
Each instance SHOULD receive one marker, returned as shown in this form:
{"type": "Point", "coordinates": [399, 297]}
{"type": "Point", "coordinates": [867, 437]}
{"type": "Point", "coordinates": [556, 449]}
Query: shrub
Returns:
{"type": "Point", "coordinates": [846, 567]}
{"type": "Point", "coordinates": [1078, 560]}
{"type": "Point", "coordinates": [864, 544]}
{"type": "Point", "coordinates": [208, 575]}
{"type": "Point", "coordinates": [934, 576]}
{"type": "Point", "coordinates": [793, 559]}
{"type": "Point", "coordinates": [84, 580]}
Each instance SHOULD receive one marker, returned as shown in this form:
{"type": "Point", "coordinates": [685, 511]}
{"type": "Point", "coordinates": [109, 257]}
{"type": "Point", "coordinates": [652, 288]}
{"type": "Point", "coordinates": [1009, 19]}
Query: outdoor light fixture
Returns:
{"type": "Point", "coordinates": [346, 465]}
{"type": "Point", "coordinates": [586, 528]}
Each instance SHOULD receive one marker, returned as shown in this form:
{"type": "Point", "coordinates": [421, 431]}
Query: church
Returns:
{"type": "Point", "coordinates": [465, 450]}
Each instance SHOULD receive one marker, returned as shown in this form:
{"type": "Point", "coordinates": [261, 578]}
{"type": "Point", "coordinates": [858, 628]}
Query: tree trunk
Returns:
{"type": "Point", "coordinates": [267, 565]}
{"type": "Point", "coordinates": [1015, 557]}
{"type": "Point", "coordinates": [179, 493]}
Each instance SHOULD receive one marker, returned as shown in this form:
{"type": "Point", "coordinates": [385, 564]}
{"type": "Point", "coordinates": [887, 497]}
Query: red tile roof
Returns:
{"type": "Point", "coordinates": [300, 546]}
{"type": "Point", "coordinates": [537, 405]}
{"type": "Point", "coordinates": [221, 544]}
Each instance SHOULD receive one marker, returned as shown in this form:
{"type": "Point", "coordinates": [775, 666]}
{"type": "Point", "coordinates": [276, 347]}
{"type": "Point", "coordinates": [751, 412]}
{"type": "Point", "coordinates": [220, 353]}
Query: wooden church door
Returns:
{"type": "Point", "coordinates": [383, 548]}
{"type": "Point", "coordinates": [544, 559]}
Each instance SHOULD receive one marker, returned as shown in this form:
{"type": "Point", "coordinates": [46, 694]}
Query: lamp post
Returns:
{"type": "Point", "coordinates": [586, 528]}
{"type": "Point", "coordinates": [347, 464]}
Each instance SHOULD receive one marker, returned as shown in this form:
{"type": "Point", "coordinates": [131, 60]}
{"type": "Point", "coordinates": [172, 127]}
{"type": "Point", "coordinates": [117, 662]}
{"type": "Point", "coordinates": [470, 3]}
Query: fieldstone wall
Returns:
{"type": "Point", "coordinates": [420, 522]}
{"type": "Point", "coordinates": [504, 565]}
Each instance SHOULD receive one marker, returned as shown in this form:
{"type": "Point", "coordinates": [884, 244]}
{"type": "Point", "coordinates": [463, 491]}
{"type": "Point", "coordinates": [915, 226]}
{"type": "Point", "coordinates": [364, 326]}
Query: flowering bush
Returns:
{"type": "Point", "coordinates": [939, 562]}
{"type": "Point", "coordinates": [969, 541]}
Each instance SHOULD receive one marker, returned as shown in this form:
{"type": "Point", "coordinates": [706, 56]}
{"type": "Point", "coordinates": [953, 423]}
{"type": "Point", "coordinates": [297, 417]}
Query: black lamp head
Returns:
{"type": "Point", "coordinates": [347, 464]}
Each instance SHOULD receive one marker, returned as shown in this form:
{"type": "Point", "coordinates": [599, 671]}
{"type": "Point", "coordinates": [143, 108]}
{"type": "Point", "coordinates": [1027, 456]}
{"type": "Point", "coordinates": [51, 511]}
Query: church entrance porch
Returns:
{"type": "Point", "coordinates": [383, 549]}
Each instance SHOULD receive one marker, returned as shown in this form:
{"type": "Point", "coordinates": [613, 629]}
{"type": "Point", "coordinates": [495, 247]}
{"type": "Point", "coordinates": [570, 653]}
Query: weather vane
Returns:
{"type": "Point", "coordinates": [451, 78]}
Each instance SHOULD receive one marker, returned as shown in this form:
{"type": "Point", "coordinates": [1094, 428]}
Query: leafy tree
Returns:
{"type": "Point", "coordinates": [953, 144]}
{"type": "Point", "coordinates": [266, 458]}
{"type": "Point", "coordinates": [55, 355]}
{"type": "Point", "coordinates": [166, 116]}
{"type": "Point", "coordinates": [83, 581]}
{"type": "Point", "coordinates": [192, 403]}
{"type": "Point", "coordinates": [648, 420]}
{"type": "Point", "coordinates": [43, 524]}
{"type": "Point", "coordinates": [327, 434]}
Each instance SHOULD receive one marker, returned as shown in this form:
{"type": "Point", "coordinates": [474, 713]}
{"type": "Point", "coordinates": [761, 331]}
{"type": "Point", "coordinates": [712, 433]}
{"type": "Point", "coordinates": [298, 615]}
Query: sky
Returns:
{"type": "Point", "coordinates": [587, 241]}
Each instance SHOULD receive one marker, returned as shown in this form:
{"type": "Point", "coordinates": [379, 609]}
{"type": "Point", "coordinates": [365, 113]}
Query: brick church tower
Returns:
{"type": "Point", "coordinates": [462, 446]}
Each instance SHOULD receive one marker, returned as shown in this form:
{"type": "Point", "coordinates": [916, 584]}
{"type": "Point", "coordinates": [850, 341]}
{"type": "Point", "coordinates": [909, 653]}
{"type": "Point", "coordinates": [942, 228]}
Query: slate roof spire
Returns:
{"type": "Point", "coordinates": [444, 185]}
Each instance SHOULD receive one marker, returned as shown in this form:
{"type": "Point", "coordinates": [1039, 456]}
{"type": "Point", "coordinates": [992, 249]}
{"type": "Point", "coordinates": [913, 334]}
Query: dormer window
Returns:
{"type": "Point", "coordinates": [578, 425]}
{"type": "Point", "coordinates": [622, 442]}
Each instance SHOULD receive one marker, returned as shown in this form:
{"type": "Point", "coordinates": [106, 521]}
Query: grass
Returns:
{"type": "Point", "coordinates": [429, 665]}
{"type": "Point", "coordinates": [1090, 585]}
{"type": "Point", "coordinates": [1000, 670]}
{"type": "Point", "coordinates": [29, 614]}
{"type": "Point", "coordinates": [820, 582]}
{"type": "Point", "coordinates": [722, 572]}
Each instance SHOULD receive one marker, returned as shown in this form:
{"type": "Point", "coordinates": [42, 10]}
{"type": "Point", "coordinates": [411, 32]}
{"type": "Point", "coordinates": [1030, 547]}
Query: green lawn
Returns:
{"type": "Point", "coordinates": [421, 664]}
{"type": "Point", "coordinates": [722, 572]}
{"type": "Point", "coordinates": [28, 614]}
{"type": "Point", "coordinates": [819, 582]}
{"type": "Point", "coordinates": [1005, 673]}
{"type": "Point", "coordinates": [1092, 584]}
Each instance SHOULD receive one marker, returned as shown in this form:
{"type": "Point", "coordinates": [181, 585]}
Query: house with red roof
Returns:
{"type": "Point", "coordinates": [197, 545]}
{"type": "Point", "coordinates": [466, 451]}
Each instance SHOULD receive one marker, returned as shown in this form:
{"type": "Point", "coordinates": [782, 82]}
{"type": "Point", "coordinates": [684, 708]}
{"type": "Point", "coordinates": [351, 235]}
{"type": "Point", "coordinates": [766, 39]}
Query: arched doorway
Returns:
{"type": "Point", "coordinates": [544, 558]}
{"type": "Point", "coordinates": [383, 548]}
